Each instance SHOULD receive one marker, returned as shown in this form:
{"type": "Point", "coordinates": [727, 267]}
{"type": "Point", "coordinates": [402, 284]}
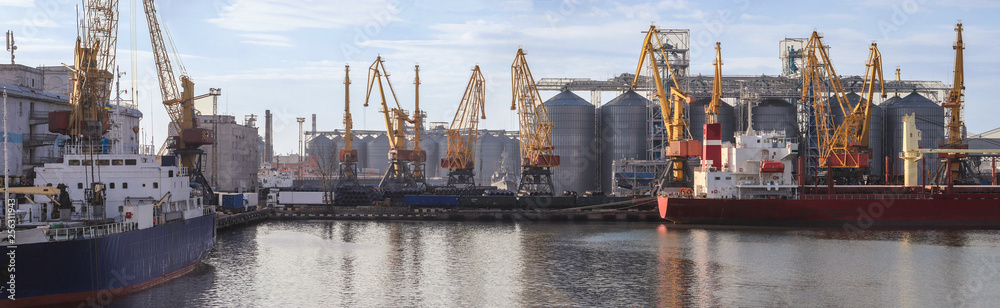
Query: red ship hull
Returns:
{"type": "Point", "coordinates": [858, 211]}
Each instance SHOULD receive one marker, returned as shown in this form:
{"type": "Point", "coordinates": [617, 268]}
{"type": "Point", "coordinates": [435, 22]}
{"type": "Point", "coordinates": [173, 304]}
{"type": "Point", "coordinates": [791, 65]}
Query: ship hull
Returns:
{"type": "Point", "coordinates": [94, 271]}
{"type": "Point", "coordinates": [842, 211]}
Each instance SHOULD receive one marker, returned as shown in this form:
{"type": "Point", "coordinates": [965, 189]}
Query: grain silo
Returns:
{"type": "Point", "coordinates": [727, 119]}
{"type": "Point", "coordinates": [489, 149]}
{"type": "Point", "coordinates": [378, 153]}
{"type": "Point", "coordinates": [573, 127]}
{"type": "Point", "coordinates": [622, 132]}
{"type": "Point", "coordinates": [773, 115]}
{"type": "Point", "coordinates": [930, 122]}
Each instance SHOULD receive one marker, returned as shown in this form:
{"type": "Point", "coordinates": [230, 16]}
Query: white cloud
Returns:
{"type": "Point", "coordinates": [18, 3]}
{"type": "Point", "coordinates": [267, 39]}
{"type": "Point", "coordinates": [284, 15]}
{"type": "Point", "coordinates": [40, 23]}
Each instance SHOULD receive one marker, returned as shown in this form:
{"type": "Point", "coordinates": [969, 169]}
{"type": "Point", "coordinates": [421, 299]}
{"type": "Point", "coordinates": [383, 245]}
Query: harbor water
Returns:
{"type": "Point", "coordinates": [473, 264]}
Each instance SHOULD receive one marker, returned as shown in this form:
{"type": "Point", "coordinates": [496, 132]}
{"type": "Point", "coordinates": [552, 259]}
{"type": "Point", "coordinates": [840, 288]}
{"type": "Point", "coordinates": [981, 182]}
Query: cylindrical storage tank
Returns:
{"type": "Point", "coordinates": [775, 115]}
{"type": "Point", "coordinates": [622, 132]}
{"type": "Point", "coordinates": [378, 153]}
{"type": "Point", "coordinates": [319, 146]}
{"type": "Point", "coordinates": [489, 149]}
{"type": "Point", "coordinates": [930, 122]}
{"type": "Point", "coordinates": [837, 112]}
{"type": "Point", "coordinates": [727, 119]}
{"type": "Point", "coordinates": [875, 141]}
{"type": "Point", "coordinates": [361, 144]}
{"type": "Point", "coordinates": [573, 128]}
{"type": "Point", "coordinates": [433, 163]}
{"type": "Point", "coordinates": [442, 149]}
{"type": "Point", "coordinates": [512, 146]}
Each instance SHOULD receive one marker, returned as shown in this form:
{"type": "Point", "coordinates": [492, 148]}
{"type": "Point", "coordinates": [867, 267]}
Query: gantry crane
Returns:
{"type": "Point", "coordinates": [180, 106]}
{"type": "Point", "coordinates": [957, 167]}
{"type": "Point", "coordinates": [348, 175]}
{"type": "Point", "coordinates": [843, 149]}
{"type": "Point", "coordinates": [681, 146]}
{"type": "Point", "coordinates": [93, 59]}
{"type": "Point", "coordinates": [399, 174]}
{"type": "Point", "coordinates": [535, 131]}
{"type": "Point", "coordinates": [463, 132]}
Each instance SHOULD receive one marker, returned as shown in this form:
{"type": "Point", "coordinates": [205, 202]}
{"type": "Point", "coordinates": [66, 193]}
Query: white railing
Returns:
{"type": "Point", "coordinates": [67, 234]}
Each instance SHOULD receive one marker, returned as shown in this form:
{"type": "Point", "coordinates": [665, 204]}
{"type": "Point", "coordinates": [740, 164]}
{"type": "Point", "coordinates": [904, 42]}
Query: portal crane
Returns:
{"type": "Point", "coordinates": [399, 174]}
{"type": "Point", "coordinates": [681, 146]}
{"type": "Point", "coordinates": [180, 106]}
{"type": "Point", "coordinates": [712, 131]}
{"type": "Point", "coordinates": [712, 110]}
{"type": "Point", "coordinates": [820, 86]}
{"type": "Point", "coordinates": [954, 104]}
{"type": "Point", "coordinates": [348, 155]}
{"type": "Point", "coordinates": [94, 57]}
{"type": "Point", "coordinates": [463, 132]}
{"type": "Point", "coordinates": [849, 145]}
{"type": "Point", "coordinates": [535, 131]}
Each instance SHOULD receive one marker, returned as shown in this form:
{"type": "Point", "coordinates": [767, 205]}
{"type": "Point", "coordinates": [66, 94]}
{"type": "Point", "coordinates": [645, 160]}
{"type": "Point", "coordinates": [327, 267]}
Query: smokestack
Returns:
{"type": "Point", "coordinates": [314, 125]}
{"type": "Point", "coordinates": [268, 142]}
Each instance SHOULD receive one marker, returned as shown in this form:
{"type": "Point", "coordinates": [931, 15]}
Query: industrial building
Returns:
{"type": "Point", "coordinates": [231, 163]}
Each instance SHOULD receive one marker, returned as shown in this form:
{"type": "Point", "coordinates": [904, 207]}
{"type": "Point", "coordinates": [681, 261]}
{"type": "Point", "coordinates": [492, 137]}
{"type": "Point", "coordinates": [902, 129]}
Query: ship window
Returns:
{"type": "Point", "coordinates": [717, 178]}
{"type": "Point", "coordinates": [87, 162]}
{"type": "Point", "coordinates": [74, 162]}
{"type": "Point", "coordinates": [170, 173]}
{"type": "Point", "coordinates": [729, 178]}
{"type": "Point", "coordinates": [117, 162]}
{"type": "Point", "coordinates": [111, 185]}
{"type": "Point", "coordinates": [103, 162]}
{"type": "Point", "coordinates": [156, 185]}
{"type": "Point", "coordinates": [124, 185]}
{"type": "Point", "coordinates": [79, 185]}
{"type": "Point", "coordinates": [130, 162]}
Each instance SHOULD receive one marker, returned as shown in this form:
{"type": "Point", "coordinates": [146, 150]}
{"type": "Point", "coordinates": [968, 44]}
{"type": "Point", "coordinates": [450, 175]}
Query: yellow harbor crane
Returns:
{"type": "Point", "coordinates": [348, 175]}
{"type": "Point", "coordinates": [675, 120]}
{"type": "Point", "coordinates": [399, 174]}
{"type": "Point", "coordinates": [954, 103]}
{"type": "Point", "coordinates": [712, 110]}
{"type": "Point", "coordinates": [180, 105]}
{"type": "Point", "coordinates": [844, 148]}
{"type": "Point", "coordinates": [463, 132]}
{"type": "Point", "coordinates": [93, 59]}
{"type": "Point", "coordinates": [535, 131]}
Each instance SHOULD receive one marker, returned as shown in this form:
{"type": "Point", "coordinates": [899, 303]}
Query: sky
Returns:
{"type": "Point", "coordinates": [289, 55]}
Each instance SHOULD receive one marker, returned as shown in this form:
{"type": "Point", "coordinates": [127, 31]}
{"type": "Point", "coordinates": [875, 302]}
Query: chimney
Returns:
{"type": "Point", "coordinates": [268, 142]}
{"type": "Point", "coordinates": [314, 125]}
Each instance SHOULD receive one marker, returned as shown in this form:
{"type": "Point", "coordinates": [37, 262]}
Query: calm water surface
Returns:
{"type": "Point", "coordinates": [469, 264]}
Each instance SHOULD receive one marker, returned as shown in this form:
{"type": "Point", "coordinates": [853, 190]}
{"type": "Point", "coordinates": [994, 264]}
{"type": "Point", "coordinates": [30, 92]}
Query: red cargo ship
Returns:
{"type": "Point", "coordinates": [753, 185]}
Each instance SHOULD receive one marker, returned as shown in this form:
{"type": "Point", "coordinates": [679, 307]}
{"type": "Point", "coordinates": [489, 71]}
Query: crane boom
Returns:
{"type": "Point", "coordinates": [535, 130]}
{"type": "Point", "coordinates": [348, 154]}
{"type": "Point", "coordinates": [464, 130]}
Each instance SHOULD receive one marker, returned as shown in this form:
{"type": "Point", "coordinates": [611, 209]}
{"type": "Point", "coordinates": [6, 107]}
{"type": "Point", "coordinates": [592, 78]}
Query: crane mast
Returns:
{"type": "Point", "coordinates": [463, 132]}
{"type": "Point", "coordinates": [399, 174]}
{"type": "Point", "coordinates": [535, 131]}
{"type": "Point", "coordinates": [348, 175]}
{"type": "Point", "coordinates": [93, 59]}
{"type": "Point", "coordinates": [681, 146]}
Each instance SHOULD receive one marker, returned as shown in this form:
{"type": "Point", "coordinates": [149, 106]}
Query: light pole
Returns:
{"type": "Point", "coordinates": [300, 120]}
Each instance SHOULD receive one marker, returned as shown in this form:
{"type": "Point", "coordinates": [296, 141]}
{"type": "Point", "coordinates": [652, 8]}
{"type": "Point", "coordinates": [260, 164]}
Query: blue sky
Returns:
{"type": "Point", "coordinates": [289, 55]}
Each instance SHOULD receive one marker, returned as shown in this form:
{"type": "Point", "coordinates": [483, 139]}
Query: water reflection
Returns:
{"type": "Point", "coordinates": [467, 264]}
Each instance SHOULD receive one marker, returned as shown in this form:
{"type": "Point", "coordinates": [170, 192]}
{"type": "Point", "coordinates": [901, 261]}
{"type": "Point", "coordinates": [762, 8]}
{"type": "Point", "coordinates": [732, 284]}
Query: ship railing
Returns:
{"type": "Point", "coordinates": [862, 196]}
{"type": "Point", "coordinates": [68, 234]}
{"type": "Point", "coordinates": [183, 171]}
